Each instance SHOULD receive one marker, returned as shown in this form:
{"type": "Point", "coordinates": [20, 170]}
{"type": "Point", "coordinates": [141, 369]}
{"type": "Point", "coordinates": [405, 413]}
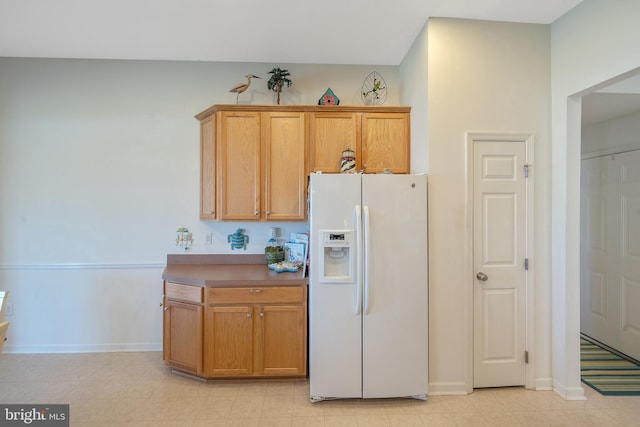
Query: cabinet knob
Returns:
{"type": "Point", "coordinates": [255, 291]}
{"type": "Point", "coordinates": [268, 213]}
{"type": "Point", "coordinates": [248, 315]}
{"type": "Point", "coordinates": [166, 308]}
{"type": "Point", "coordinates": [261, 314]}
{"type": "Point", "coordinates": [211, 212]}
{"type": "Point", "coordinates": [256, 213]}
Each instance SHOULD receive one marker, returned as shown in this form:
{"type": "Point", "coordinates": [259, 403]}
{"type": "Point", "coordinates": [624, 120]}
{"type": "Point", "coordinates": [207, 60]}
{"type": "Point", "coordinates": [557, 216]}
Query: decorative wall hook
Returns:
{"type": "Point", "coordinates": [184, 238]}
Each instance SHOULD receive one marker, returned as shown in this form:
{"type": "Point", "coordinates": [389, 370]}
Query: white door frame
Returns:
{"type": "Point", "coordinates": [528, 140]}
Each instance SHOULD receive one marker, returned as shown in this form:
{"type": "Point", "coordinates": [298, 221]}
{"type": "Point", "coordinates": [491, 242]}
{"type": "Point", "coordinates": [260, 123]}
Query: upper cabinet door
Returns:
{"type": "Point", "coordinates": [385, 142]}
{"type": "Point", "coordinates": [284, 156]}
{"type": "Point", "coordinates": [208, 168]}
{"type": "Point", "coordinates": [330, 134]}
{"type": "Point", "coordinates": [239, 166]}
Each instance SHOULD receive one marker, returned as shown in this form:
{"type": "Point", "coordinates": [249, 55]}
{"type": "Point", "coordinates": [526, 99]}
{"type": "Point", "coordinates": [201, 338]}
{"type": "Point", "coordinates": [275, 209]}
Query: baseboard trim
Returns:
{"type": "Point", "coordinates": [569, 393]}
{"type": "Point", "coordinates": [448, 389]}
{"type": "Point", "coordinates": [543, 384]}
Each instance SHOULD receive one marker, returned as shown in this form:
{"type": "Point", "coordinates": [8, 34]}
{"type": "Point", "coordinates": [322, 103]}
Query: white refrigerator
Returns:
{"type": "Point", "coordinates": [368, 293]}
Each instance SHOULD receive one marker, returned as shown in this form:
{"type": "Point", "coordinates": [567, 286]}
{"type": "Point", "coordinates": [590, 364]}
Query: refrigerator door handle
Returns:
{"type": "Point", "coordinates": [366, 264]}
{"type": "Point", "coordinates": [358, 213]}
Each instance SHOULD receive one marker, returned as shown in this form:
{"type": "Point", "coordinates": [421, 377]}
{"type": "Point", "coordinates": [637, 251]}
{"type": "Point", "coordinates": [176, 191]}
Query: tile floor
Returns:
{"type": "Point", "coordinates": [137, 389]}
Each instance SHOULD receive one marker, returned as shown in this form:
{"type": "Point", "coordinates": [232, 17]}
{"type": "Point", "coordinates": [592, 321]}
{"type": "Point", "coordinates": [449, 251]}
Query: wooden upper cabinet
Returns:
{"type": "Point", "coordinates": [385, 142]}
{"type": "Point", "coordinates": [284, 164]}
{"type": "Point", "coordinates": [208, 168]}
{"type": "Point", "coordinates": [255, 159]}
{"type": "Point", "coordinates": [330, 134]}
{"type": "Point", "coordinates": [239, 166]}
{"type": "Point", "coordinates": [261, 166]}
{"type": "Point", "coordinates": [379, 137]}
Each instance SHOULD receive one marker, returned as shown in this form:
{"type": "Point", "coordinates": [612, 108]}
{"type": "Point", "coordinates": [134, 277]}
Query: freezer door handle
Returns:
{"type": "Point", "coordinates": [366, 264]}
{"type": "Point", "coordinates": [358, 214]}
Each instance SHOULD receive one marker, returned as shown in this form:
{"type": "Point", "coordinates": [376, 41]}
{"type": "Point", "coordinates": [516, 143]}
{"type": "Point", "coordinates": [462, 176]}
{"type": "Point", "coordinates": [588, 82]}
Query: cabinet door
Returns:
{"type": "Point", "coordinates": [229, 341]}
{"type": "Point", "coordinates": [330, 134]}
{"type": "Point", "coordinates": [281, 338]}
{"type": "Point", "coordinates": [183, 336]}
{"type": "Point", "coordinates": [239, 166]}
{"type": "Point", "coordinates": [285, 175]}
{"type": "Point", "coordinates": [207, 168]}
{"type": "Point", "coordinates": [385, 142]}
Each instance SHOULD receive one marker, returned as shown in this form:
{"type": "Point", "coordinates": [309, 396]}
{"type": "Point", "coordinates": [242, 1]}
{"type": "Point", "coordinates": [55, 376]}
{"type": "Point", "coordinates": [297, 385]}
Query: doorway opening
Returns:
{"type": "Point", "coordinates": [610, 215]}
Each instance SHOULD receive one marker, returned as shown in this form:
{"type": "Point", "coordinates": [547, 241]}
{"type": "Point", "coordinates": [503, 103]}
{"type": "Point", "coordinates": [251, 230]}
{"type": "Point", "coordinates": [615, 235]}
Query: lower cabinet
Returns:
{"type": "Point", "coordinates": [255, 332]}
{"type": "Point", "coordinates": [236, 332]}
{"type": "Point", "coordinates": [229, 341]}
{"type": "Point", "coordinates": [183, 336]}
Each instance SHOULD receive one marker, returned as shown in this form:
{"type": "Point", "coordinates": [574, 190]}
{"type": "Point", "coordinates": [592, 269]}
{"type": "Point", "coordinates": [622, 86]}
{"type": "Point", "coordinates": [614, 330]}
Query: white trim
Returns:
{"type": "Point", "coordinates": [569, 393]}
{"type": "Point", "coordinates": [545, 384]}
{"type": "Point", "coordinates": [528, 140]}
{"type": "Point", "coordinates": [610, 151]}
{"type": "Point", "coordinates": [448, 389]}
{"type": "Point", "coordinates": [82, 266]}
{"type": "Point", "coordinates": [82, 348]}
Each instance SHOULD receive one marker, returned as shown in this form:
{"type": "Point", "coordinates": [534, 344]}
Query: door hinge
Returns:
{"type": "Point", "coordinates": [526, 357]}
{"type": "Point", "coordinates": [526, 170]}
{"type": "Point", "coordinates": [526, 263]}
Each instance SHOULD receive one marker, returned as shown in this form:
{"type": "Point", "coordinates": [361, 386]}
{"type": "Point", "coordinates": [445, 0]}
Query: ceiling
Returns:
{"type": "Point", "coordinates": [289, 31]}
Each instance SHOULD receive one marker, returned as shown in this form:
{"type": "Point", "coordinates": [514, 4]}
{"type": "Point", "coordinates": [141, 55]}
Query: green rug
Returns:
{"type": "Point", "coordinates": [608, 373]}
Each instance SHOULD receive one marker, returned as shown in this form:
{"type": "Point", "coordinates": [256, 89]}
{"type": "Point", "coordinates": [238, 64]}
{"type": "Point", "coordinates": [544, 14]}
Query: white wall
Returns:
{"type": "Point", "coordinates": [483, 77]}
{"type": "Point", "coordinates": [611, 136]}
{"type": "Point", "coordinates": [592, 46]}
{"type": "Point", "coordinates": [415, 78]}
{"type": "Point", "coordinates": [98, 168]}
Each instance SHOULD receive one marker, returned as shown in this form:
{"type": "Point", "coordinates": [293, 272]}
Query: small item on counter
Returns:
{"type": "Point", "coordinates": [279, 267]}
{"type": "Point", "coordinates": [238, 239]}
{"type": "Point", "coordinates": [348, 161]}
{"type": "Point", "coordinates": [273, 254]}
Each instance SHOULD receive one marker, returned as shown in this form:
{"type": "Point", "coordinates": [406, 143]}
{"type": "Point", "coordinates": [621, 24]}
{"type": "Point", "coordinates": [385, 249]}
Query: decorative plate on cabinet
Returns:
{"type": "Point", "coordinates": [374, 89]}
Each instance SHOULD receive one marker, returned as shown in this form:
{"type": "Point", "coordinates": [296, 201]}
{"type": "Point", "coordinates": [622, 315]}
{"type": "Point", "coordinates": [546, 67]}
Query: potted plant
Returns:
{"type": "Point", "coordinates": [273, 254]}
{"type": "Point", "coordinates": [279, 78]}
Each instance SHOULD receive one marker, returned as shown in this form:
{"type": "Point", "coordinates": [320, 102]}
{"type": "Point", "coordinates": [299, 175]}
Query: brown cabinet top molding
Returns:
{"type": "Point", "coordinates": [302, 108]}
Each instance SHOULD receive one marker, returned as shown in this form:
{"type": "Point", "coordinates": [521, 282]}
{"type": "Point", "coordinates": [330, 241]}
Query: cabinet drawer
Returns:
{"type": "Point", "coordinates": [276, 295]}
{"type": "Point", "coordinates": [187, 293]}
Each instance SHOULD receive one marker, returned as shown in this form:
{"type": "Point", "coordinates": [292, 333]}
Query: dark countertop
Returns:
{"type": "Point", "coordinates": [227, 270]}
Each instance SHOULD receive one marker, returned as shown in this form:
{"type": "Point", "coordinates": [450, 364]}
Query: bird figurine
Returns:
{"type": "Point", "coordinates": [241, 87]}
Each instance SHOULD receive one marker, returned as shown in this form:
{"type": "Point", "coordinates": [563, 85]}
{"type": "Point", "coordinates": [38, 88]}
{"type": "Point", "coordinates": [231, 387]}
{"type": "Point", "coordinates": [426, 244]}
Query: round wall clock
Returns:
{"type": "Point", "coordinates": [374, 89]}
{"type": "Point", "coordinates": [329, 98]}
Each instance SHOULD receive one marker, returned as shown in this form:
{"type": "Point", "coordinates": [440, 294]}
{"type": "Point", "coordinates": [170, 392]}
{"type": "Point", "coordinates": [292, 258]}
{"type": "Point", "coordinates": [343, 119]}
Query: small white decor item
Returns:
{"type": "Point", "coordinates": [184, 238]}
{"type": "Point", "coordinates": [374, 89]}
{"type": "Point", "coordinates": [348, 161]}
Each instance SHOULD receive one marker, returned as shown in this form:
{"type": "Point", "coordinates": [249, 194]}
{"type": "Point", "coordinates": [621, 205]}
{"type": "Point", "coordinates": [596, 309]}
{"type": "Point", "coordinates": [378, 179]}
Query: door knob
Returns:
{"type": "Point", "coordinates": [482, 277]}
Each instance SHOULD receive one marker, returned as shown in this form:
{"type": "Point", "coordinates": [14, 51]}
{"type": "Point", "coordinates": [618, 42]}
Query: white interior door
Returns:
{"type": "Point", "coordinates": [610, 257]}
{"type": "Point", "coordinates": [499, 263]}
